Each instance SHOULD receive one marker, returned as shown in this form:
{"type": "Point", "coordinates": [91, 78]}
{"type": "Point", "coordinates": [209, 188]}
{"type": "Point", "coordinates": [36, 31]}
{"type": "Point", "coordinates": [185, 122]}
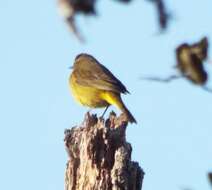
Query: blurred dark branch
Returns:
{"type": "Point", "coordinates": [70, 8]}
{"type": "Point", "coordinates": [210, 178]}
{"type": "Point", "coordinates": [168, 79]}
{"type": "Point", "coordinates": [162, 14]}
{"type": "Point", "coordinates": [190, 63]}
{"type": "Point", "coordinates": [124, 1]}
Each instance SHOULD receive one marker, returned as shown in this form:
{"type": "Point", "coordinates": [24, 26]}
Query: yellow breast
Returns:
{"type": "Point", "coordinates": [87, 96]}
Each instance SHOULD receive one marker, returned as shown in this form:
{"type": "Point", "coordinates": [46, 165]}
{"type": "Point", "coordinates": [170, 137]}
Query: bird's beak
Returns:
{"type": "Point", "coordinates": [71, 67]}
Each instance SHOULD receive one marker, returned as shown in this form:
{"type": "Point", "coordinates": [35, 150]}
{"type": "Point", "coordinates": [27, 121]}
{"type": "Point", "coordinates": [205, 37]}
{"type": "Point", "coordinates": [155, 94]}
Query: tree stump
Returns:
{"type": "Point", "coordinates": [100, 157]}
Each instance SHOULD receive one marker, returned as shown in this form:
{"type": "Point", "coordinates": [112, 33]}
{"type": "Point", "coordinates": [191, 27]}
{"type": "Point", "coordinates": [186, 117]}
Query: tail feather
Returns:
{"type": "Point", "coordinates": [115, 99]}
{"type": "Point", "coordinates": [130, 117]}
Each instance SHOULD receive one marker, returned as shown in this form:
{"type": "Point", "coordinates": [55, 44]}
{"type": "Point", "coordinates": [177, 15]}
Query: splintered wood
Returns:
{"type": "Point", "coordinates": [100, 157]}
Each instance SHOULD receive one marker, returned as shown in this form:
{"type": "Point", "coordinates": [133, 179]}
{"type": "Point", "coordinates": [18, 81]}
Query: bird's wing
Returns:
{"type": "Point", "coordinates": [97, 76]}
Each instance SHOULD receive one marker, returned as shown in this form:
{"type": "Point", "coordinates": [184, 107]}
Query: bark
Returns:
{"type": "Point", "coordinates": [100, 157]}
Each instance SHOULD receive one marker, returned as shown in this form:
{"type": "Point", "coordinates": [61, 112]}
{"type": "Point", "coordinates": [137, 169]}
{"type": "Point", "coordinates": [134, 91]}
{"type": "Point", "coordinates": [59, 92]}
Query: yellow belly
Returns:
{"type": "Point", "coordinates": [87, 96]}
{"type": "Point", "coordinates": [94, 97]}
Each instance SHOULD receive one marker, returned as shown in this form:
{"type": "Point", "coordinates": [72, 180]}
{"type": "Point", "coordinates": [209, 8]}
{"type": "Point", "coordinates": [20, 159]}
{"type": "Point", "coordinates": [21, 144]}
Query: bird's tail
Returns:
{"type": "Point", "coordinates": [130, 117]}
{"type": "Point", "coordinates": [115, 99]}
{"type": "Point", "coordinates": [124, 109]}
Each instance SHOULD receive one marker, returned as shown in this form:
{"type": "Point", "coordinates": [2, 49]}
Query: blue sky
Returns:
{"type": "Point", "coordinates": [172, 141]}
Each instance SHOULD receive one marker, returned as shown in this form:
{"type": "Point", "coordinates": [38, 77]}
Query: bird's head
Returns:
{"type": "Point", "coordinates": [82, 60]}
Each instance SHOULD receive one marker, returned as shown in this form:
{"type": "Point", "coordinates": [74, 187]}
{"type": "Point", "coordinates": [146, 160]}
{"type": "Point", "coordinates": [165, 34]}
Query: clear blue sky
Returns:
{"type": "Point", "coordinates": [172, 140]}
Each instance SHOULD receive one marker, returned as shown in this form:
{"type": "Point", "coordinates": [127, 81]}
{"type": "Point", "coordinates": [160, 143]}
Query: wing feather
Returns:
{"type": "Point", "coordinates": [96, 75]}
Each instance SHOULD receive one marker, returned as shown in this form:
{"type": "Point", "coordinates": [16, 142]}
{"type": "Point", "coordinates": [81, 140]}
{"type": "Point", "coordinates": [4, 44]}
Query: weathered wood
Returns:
{"type": "Point", "coordinates": [100, 157]}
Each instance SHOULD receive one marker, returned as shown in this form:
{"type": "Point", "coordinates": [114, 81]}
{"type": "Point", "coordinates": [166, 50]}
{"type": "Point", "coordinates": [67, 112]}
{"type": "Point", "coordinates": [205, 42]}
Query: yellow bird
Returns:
{"type": "Point", "coordinates": [93, 85]}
